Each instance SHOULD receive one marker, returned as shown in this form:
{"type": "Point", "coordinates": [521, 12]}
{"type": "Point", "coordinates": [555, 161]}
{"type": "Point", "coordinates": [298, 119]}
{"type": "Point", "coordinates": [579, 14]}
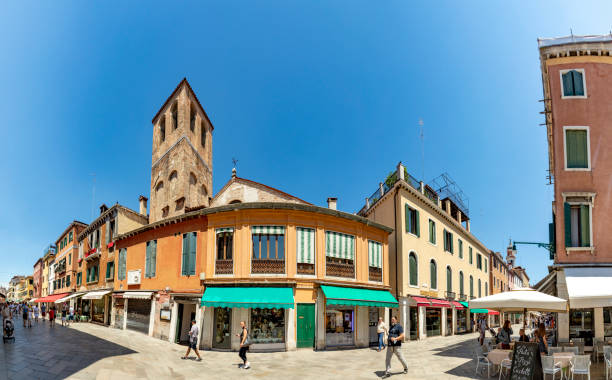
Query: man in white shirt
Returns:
{"type": "Point", "coordinates": [193, 341]}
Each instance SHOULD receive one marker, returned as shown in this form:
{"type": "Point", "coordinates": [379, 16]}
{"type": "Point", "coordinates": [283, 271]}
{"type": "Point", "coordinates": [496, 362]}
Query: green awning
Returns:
{"type": "Point", "coordinates": [336, 295]}
{"type": "Point", "coordinates": [249, 297]}
{"type": "Point", "coordinates": [474, 311]}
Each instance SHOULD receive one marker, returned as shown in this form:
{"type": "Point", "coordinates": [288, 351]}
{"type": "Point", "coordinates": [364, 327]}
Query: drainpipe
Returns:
{"type": "Point", "coordinates": [396, 244]}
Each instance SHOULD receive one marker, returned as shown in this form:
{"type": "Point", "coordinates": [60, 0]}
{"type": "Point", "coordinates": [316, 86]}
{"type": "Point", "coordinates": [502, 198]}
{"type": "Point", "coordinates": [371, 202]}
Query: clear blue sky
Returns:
{"type": "Point", "coordinates": [317, 98]}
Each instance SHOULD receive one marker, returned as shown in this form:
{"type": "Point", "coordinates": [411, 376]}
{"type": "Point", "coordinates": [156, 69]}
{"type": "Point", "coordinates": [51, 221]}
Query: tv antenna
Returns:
{"type": "Point", "coordinates": [422, 138]}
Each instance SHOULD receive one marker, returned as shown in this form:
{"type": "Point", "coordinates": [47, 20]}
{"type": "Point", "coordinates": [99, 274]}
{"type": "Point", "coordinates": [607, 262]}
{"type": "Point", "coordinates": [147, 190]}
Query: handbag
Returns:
{"type": "Point", "coordinates": [247, 341]}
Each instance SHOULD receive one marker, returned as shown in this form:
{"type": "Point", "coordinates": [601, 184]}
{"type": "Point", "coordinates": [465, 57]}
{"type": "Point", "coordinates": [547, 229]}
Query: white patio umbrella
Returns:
{"type": "Point", "coordinates": [522, 299]}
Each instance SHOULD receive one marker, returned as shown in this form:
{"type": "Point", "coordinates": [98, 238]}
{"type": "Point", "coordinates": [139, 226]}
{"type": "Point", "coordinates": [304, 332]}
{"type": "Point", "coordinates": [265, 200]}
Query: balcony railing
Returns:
{"type": "Point", "coordinates": [462, 297]}
{"type": "Point", "coordinates": [450, 295]}
{"type": "Point", "coordinates": [224, 267]}
{"type": "Point", "coordinates": [375, 274]}
{"type": "Point", "coordinates": [388, 184]}
{"type": "Point", "coordinates": [267, 266]}
{"type": "Point", "coordinates": [304, 268]}
{"type": "Point", "coordinates": [338, 269]}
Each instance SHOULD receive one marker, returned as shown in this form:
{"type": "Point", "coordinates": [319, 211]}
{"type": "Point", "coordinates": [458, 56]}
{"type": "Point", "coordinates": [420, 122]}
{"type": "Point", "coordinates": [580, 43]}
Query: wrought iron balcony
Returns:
{"type": "Point", "coordinates": [450, 295]}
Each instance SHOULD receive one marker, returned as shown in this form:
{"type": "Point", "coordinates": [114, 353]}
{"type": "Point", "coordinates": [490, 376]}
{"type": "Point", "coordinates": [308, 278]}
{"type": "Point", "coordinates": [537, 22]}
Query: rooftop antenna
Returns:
{"type": "Point", "coordinates": [93, 195]}
{"type": "Point", "coordinates": [422, 137]}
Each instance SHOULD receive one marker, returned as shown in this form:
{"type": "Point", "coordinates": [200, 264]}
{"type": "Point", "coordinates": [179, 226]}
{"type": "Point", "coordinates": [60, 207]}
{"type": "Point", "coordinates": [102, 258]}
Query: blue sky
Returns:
{"type": "Point", "coordinates": [317, 98]}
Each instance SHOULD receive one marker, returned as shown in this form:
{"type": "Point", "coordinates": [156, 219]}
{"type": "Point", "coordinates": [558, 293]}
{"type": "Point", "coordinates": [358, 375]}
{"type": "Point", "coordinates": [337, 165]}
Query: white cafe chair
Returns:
{"type": "Point", "coordinates": [549, 367]}
{"type": "Point", "coordinates": [607, 353]}
{"type": "Point", "coordinates": [482, 361]}
{"type": "Point", "coordinates": [581, 365]}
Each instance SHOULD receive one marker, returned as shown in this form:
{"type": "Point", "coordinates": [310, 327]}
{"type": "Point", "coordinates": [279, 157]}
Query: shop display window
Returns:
{"type": "Point", "coordinates": [462, 322]}
{"type": "Point", "coordinates": [339, 327]}
{"type": "Point", "coordinates": [433, 321]}
{"type": "Point", "coordinates": [607, 317]}
{"type": "Point", "coordinates": [267, 325]}
{"type": "Point", "coordinates": [581, 325]}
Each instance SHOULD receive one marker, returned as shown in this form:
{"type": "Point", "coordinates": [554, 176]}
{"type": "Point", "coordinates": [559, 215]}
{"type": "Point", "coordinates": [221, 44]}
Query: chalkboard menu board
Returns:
{"type": "Point", "coordinates": [526, 362]}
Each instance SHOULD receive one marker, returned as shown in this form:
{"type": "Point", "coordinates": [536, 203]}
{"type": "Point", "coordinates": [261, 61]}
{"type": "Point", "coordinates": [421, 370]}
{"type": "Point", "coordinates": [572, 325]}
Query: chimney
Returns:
{"type": "Point", "coordinates": [103, 208]}
{"type": "Point", "coordinates": [332, 203]}
{"type": "Point", "coordinates": [143, 205]}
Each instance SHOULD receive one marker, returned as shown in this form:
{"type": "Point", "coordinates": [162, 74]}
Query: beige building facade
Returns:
{"type": "Point", "coordinates": [436, 261]}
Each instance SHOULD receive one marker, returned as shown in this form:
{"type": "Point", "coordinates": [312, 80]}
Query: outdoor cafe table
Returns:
{"type": "Point", "coordinates": [563, 358]}
{"type": "Point", "coordinates": [496, 356]}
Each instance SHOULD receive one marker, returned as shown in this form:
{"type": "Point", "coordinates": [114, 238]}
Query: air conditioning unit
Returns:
{"type": "Point", "coordinates": [133, 277]}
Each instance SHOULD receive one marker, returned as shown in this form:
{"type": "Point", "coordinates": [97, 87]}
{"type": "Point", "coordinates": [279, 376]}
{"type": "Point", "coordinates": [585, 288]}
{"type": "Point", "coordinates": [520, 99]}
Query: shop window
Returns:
{"type": "Point", "coordinates": [433, 319]}
{"type": "Point", "coordinates": [581, 325]}
{"type": "Point", "coordinates": [412, 220]}
{"type": "Point", "coordinates": [433, 274]}
{"type": "Point", "coordinates": [432, 231]}
{"type": "Point", "coordinates": [268, 249]}
{"type": "Point", "coordinates": [267, 325]}
{"type": "Point", "coordinates": [607, 317]}
{"type": "Point", "coordinates": [305, 250]}
{"type": "Point", "coordinates": [151, 258]}
{"type": "Point", "coordinates": [339, 328]}
{"type": "Point", "coordinates": [414, 269]}
{"type": "Point", "coordinates": [573, 83]}
{"type": "Point", "coordinates": [339, 254]}
{"type": "Point", "coordinates": [189, 254]}
{"type": "Point", "coordinates": [225, 243]}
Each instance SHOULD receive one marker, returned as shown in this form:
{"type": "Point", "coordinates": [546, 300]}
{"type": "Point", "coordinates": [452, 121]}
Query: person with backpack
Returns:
{"type": "Point", "coordinates": [396, 335]}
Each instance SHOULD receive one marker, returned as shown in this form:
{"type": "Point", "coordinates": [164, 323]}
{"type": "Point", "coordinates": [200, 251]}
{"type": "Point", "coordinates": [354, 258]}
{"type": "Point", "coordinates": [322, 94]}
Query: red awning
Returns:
{"type": "Point", "coordinates": [52, 298]}
{"type": "Point", "coordinates": [493, 312]}
{"type": "Point", "coordinates": [440, 303]}
{"type": "Point", "coordinates": [421, 301]}
{"type": "Point", "coordinates": [457, 305]}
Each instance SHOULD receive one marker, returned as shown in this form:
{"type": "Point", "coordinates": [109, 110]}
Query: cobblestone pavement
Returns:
{"type": "Point", "coordinates": [88, 351]}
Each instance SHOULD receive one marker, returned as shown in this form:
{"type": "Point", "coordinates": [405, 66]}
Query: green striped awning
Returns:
{"type": "Point", "coordinates": [339, 245]}
{"type": "Point", "coordinates": [374, 254]}
{"type": "Point", "coordinates": [474, 311]}
{"type": "Point", "coordinates": [224, 229]}
{"type": "Point", "coordinates": [268, 230]}
{"type": "Point", "coordinates": [249, 297]}
{"type": "Point", "coordinates": [305, 245]}
{"type": "Point", "coordinates": [336, 295]}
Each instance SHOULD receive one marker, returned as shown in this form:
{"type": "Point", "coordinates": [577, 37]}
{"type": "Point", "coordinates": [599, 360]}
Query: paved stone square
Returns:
{"type": "Point", "coordinates": [88, 351]}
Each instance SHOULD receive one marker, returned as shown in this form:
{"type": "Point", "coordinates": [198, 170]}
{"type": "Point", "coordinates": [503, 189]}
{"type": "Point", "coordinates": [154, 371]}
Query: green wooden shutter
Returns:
{"type": "Point", "coordinates": [153, 257]}
{"type": "Point", "coordinates": [451, 243]}
{"type": "Point", "coordinates": [407, 217]}
{"type": "Point", "coordinates": [413, 270]}
{"type": "Point", "coordinates": [568, 88]}
{"type": "Point", "coordinates": [585, 230]}
{"type": "Point", "coordinates": [107, 270]}
{"type": "Point", "coordinates": [433, 275]}
{"type": "Point", "coordinates": [148, 260]}
{"type": "Point", "coordinates": [567, 216]}
{"type": "Point", "coordinates": [417, 223]}
{"type": "Point", "coordinates": [578, 82]}
{"type": "Point", "coordinates": [107, 232]}
{"type": "Point", "coordinates": [185, 264]}
{"type": "Point", "coordinates": [192, 253]}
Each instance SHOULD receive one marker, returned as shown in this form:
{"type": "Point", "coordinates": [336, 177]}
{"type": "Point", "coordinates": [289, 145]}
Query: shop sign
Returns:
{"type": "Point", "coordinates": [165, 314]}
{"type": "Point", "coordinates": [133, 277]}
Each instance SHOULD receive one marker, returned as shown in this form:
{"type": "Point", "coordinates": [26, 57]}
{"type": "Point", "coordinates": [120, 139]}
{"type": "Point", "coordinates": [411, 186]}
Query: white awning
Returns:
{"type": "Point", "coordinates": [62, 300]}
{"type": "Point", "coordinates": [137, 295]}
{"type": "Point", "coordinates": [589, 287]}
{"type": "Point", "coordinates": [96, 295]}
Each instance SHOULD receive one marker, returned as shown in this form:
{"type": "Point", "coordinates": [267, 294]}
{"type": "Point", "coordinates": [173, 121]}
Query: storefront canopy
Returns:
{"type": "Point", "coordinates": [249, 297]}
{"type": "Point", "coordinates": [589, 287]}
{"type": "Point", "coordinates": [336, 295]}
{"type": "Point", "coordinates": [138, 295]}
{"type": "Point", "coordinates": [520, 300]}
{"type": "Point", "coordinates": [64, 299]}
{"type": "Point", "coordinates": [96, 295]}
{"type": "Point", "coordinates": [51, 298]}
{"type": "Point", "coordinates": [474, 311]}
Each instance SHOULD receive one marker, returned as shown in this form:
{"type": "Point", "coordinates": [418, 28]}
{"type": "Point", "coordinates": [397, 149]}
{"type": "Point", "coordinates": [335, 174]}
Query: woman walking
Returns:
{"type": "Point", "coordinates": [244, 345]}
{"type": "Point", "coordinates": [381, 329]}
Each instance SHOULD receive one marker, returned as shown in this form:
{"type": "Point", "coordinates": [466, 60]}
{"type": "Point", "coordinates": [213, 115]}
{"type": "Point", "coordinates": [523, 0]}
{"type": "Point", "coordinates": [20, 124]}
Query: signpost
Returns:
{"type": "Point", "coordinates": [526, 362]}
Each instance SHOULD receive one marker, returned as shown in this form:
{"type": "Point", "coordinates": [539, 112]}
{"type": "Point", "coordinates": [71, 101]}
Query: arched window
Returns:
{"type": "Point", "coordinates": [471, 287]}
{"type": "Point", "coordinates": [413, 269]}
{"type": "Point", "coordinates": [433, 274]}
{"type": "Point", "coordinates": [160, 186]}
{"type": "Point", "coordinates": [461, 293]}
{"type": "Point", "coordinates": [449, 279]}
{"type": "Point", "coordinates": [479, 289]}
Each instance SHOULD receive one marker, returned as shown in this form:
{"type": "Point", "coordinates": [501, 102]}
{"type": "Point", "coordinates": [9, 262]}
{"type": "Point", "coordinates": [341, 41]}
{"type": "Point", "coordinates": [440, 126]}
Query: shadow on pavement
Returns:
{"type": "Point", "coordinates": [52, 353]}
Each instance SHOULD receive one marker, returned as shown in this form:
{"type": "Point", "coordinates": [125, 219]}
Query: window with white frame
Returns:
{"type": "Point", "coordinates": [305, 246]}
{"type": "Point", "coordinates": [573, 83]}
{"type": "Point", "coordinates": [578, 220]}
{"type": "Point", "coordinates": [577, 148]}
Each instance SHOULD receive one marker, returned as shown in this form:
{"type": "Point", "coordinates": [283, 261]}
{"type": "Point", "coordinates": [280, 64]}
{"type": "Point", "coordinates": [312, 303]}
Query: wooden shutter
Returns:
{"type": "Point", "coordinates": [407, 217]}
{"type": "Point", "coordinates": [568, 88]}
{"type": "Point", "coordinates": [551, 239]}
{"type": "Point", "coordinates": [451, 243]}
{"type": "Point", "coordinates": [148, 260]}
{"type": "Point", "coordinates": [433, 275]}
{"type": "Point", "coordinates": [417, 223]}
{"type": "Point", "coordinates": [578, 81]}
{"type": "Point", "coordinates": [585, 230]}
{"type": "Point", "coordinates": [107, 231]}
{"type": "Point", "coordinates": [185, 257]}
{"type": "Point", "coordinates": [153, 257]}
{"type": "Point", "coordinates": [567, 218]}
{"type": "Point", "coordinates": [192, 253]}
{"type": "Point", "coordinates": [413, 270]}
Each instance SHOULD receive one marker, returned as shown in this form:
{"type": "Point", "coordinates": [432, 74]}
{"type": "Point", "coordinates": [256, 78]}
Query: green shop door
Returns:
{"type": "Point", "coordinates": [305, 324]}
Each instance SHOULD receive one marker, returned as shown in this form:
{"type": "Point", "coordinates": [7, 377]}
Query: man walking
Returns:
{"type": "Point", "coordinates": [483, 326]}
{"type": "Point", "coordinates": [396, 335]}
{"type": "Point", "coordinates": [193, 341]}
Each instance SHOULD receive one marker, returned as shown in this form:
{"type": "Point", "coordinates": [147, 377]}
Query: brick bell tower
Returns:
{"type": "Point", "coordinates": [181, 165]}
